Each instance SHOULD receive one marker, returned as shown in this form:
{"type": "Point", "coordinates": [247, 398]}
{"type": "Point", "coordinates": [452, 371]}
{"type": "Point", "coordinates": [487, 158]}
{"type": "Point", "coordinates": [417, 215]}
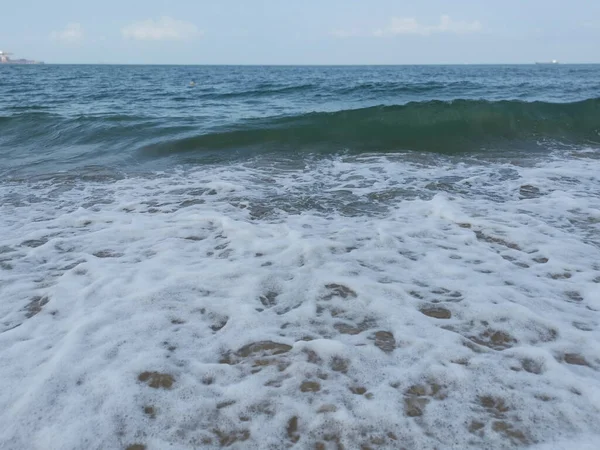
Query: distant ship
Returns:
{"type": "Point", "coordinates": [554, 61]}
{"type": "Point", "coordinates": [5, 59]}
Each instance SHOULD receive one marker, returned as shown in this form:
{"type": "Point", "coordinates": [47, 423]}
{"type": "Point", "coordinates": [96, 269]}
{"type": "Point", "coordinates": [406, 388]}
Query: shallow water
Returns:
{"type": "Point", "coordinates": [406, 298]}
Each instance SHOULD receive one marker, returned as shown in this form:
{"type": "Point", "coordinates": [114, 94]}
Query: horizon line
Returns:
{"type": "Point", "coordinates": [41, 63]}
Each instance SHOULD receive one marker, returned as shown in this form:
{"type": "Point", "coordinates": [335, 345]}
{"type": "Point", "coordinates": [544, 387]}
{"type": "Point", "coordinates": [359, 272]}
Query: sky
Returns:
{"type": "Point", "coordinates": [301, 32]}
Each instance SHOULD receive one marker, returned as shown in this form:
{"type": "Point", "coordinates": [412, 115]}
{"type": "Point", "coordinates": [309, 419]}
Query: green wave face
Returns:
{"type": "Point", "coordinates": [446, 127]}
{"type": "Point", "coordinates": [458, 126]}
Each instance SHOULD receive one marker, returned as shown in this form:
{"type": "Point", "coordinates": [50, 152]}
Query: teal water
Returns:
{"type": "Point", "coordinates": [306, 257]}
{"type": "Point", "coordinates": [56, 118]}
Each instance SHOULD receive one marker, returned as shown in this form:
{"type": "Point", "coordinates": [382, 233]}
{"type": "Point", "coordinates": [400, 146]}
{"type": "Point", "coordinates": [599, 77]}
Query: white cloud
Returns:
{"type": "Point", "coordinates": [71, 34]}
{"type": "Point", "coordinates": [163, 29]}
{"type": "Point", "coordinates": [410, 25]}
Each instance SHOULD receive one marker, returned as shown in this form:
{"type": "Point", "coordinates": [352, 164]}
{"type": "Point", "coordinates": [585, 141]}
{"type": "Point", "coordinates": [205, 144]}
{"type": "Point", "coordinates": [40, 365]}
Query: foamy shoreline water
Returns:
{"type": "Point", "coordinates": [349, 302]}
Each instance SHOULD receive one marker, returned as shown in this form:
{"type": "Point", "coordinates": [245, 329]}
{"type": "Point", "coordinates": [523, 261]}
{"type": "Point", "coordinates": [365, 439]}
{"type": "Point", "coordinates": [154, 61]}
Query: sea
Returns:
{"type": "Point", "coordinates": [311, 257]}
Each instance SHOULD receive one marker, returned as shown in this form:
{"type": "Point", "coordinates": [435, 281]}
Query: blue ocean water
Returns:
{"type": "Point", "coordinates": [299, 257]}
{"type": "Point", "coordinates": [59, 117]}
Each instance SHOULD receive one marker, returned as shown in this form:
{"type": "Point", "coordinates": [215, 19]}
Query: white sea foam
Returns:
{"type": "Point", "coordinates": [393, 302]}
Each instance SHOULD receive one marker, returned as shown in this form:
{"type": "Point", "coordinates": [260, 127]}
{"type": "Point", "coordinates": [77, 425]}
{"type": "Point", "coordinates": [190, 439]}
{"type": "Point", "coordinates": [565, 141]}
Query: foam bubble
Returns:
{"type": "Point", "coordinates": [375, 301]}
